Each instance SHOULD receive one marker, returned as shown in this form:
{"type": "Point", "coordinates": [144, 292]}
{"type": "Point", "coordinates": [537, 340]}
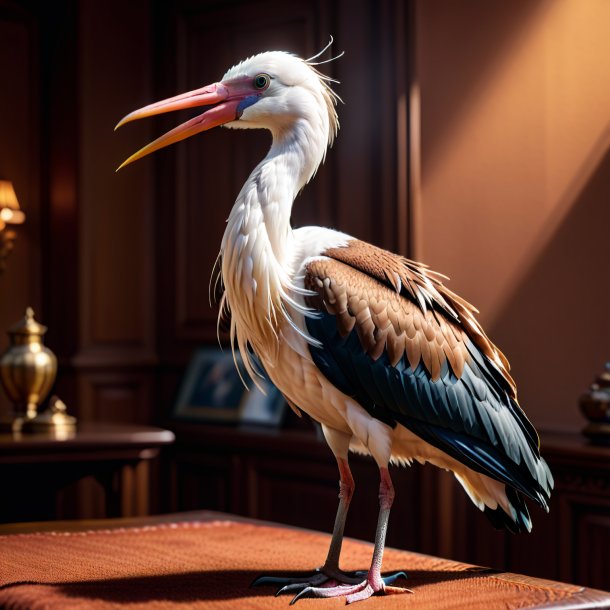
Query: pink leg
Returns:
{"type": "Point", "coordinates": [346, 491]}
{"type": "Point", "coordinates": [329, 575]}
{"type": "Point", "coordinates": [374, 583]}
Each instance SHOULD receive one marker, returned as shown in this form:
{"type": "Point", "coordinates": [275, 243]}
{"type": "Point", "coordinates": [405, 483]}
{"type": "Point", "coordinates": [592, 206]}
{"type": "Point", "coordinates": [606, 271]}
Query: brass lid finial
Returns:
{"type": "Point", "coordinates": [28, 326]}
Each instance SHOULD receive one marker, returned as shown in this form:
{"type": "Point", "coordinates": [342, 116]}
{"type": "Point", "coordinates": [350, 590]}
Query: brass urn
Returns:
{"type": "Point", "coordinates": [27, 368]}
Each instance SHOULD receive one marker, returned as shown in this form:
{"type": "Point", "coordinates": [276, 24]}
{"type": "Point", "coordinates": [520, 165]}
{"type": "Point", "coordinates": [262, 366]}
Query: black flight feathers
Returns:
{"type": "Point", "coordinates": [472, 419]}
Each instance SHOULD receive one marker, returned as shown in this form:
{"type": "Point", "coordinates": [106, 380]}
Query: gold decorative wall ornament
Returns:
{"type": "Point", "coordinates": [27, 369]}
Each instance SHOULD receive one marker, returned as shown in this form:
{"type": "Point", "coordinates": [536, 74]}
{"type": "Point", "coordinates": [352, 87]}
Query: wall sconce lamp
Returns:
{"type": "Point", "coordinates": [10, 214]}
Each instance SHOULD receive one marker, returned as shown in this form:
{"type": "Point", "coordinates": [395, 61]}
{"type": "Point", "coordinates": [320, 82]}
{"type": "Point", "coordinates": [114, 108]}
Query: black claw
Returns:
{"type": "Point", "coordinates": [392, 578]}
{"type": "Point", "coordinates": [271, 580]}
{"type": "Point", "coordinates": [263, 580]}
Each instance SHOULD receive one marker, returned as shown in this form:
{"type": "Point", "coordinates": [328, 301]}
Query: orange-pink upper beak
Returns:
{"type": "Point", "coordinates": [227, 110]}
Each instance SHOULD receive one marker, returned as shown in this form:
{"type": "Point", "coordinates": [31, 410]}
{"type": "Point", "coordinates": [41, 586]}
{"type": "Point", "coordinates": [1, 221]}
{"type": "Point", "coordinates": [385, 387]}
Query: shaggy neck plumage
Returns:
{"type": "Point", "coordinates": [256, 244]}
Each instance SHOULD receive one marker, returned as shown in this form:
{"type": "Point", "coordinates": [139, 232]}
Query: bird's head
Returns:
{"type": "Point", "coordinates": [273, 90]}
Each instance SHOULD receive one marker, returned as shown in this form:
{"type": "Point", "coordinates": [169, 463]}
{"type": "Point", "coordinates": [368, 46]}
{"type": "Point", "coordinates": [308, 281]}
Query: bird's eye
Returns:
{"type": "Point", "coordinates": [261, 81]}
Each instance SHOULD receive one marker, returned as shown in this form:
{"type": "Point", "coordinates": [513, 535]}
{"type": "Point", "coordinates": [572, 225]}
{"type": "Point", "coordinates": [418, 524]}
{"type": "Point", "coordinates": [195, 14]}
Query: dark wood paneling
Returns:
{"type": "Point", "coordinates": [127, 258]}
{"type": "Point", "coordinates": [39, 151]}
{"type": "Point", "coordinates": [202, 177]}
{"type": "Point", "coordinates": [20, 142]}
{"type": "Point", "coordinates": [122, 395]}
{"type": "Point", "coordinates": [59, 114]}
{"type": "Point", "coordinates": [360, 189]}
{"type": "Point", "coordinates": [115, 353]}
{"type": "Point", "coordinates": [593, 535]}
{"type": "Point", "coordinates": [291, 477]}
{"type": "Point", "coordinates": [98, 264]}
{"type": "Point", "coordinates": [116, 213]}
{"type": "Point", "coordinates": [585, 531]}
{"type": "Point", "coordinates": [370, 156]}
{"type": "Point", "coordinates": [204, 481]}
{"type": "Point", "coordinates": [84, 258]}
{"type": "Point", "coordinates": [280, 489]}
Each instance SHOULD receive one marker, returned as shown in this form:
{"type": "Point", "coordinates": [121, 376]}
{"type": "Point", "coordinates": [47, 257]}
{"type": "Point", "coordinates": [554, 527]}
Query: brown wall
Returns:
{"type": "Point", "coordinates": [515, 182]}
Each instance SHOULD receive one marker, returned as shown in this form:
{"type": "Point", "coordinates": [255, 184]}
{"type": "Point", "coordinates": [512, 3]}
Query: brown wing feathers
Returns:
{"type": "Point", "coordinates": [365, 286]}
{"type": "Point", "coordinates": [384, 319]}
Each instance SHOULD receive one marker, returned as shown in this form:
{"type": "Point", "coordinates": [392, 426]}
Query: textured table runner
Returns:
{"type": "Point", "coordinates": [211, 565]}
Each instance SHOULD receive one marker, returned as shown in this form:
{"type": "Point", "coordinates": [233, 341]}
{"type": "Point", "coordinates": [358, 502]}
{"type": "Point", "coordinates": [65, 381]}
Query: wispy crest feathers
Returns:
{"type": "Point", "coordinates": [331, 98]}
{"type": "Point", "coordinates": [310, 61]}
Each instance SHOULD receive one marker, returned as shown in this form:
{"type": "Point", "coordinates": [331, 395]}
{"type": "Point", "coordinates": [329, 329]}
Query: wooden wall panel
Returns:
{"type": "Point", "coordinates": [362, 187]}
{"type": "Point", "coordinates": [370, 164]}
{"type": "Point", "coordinates": [203, 175]}
{"type": "Point", "coordinates": [278, 489]}
{"type": "Point", "coordinates": [85, 260]}
{"type": "Point", "coordinates": [60, 239]}
{"type": "Point", "coordinates": [204, 482]}
{"type": "Point", "coordinates": [116, 213]}
{"type": "Point", "coordinates": [99, 273]}
{"type": "Point", "coordinates": [593, 535]}
{"type": "Point", "coordinates": [585, 531]}
{"type": "Point", "coordinates": [20, 141]}
{"type": "Point", "coordinates": [117, 395]}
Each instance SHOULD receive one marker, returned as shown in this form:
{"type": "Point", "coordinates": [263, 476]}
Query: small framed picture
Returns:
{"type": "Point", "coordinates": [212, 390]}
{"type": "Point", "coordinates": [266, 409]}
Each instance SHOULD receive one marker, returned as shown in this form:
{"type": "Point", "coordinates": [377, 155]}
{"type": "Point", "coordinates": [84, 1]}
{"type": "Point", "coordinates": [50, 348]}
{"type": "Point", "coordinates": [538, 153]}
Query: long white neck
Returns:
{"type": "Point", "coordinates": [272, 187]}
{"type": "Point", "coordinates": [256, 247]}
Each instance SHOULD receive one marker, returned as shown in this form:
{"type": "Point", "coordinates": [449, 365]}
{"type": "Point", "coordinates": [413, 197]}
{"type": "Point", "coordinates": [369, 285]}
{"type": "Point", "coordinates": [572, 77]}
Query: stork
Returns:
{"type": "Point", "coordinates": [371, 345]}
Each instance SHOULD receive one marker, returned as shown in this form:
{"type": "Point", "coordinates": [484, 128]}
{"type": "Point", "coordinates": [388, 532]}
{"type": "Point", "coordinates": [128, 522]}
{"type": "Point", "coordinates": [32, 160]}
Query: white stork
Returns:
{"type": "Point", "coordinates": [370, 344]}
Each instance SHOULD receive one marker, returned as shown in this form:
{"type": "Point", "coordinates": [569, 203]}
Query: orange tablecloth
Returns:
{"type": "Point", "coordinates": [210, 564]}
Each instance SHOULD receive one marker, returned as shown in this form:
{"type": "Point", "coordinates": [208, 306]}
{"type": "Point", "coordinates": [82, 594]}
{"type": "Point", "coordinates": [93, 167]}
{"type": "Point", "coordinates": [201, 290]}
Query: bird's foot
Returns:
{"type": "Point", "coordinates": [371, 585]}
{"type": "Point", "coordinates": [323, 577]}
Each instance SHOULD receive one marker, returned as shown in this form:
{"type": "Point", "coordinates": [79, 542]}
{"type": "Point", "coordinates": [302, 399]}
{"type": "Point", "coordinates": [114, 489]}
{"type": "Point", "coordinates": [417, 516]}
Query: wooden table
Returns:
{"type": "Point", "coordinates": [207, 560]}
{"type": "Point", "coordinates": [36, 470]}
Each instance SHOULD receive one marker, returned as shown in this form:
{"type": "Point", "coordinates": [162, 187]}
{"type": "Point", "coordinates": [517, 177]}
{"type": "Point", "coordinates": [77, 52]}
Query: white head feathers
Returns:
{"type": "Point", "coordinates": [296, 90]}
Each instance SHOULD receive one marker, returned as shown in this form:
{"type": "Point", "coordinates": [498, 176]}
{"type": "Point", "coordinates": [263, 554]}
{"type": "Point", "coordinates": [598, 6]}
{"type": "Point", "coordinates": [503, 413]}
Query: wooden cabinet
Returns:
{"type": "Point", "coordinates": [102, 470]}
{"type": "Point", "coordinates": [290, 477]}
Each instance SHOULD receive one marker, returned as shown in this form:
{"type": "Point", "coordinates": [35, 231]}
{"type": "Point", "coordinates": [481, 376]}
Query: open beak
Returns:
{"type": "Point", "coordinates": [226, 111]}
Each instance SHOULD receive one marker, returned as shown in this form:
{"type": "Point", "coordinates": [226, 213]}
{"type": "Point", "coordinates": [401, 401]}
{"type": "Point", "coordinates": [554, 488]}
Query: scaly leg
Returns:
{"type": "Point", "coordinates": [373, 583]}
{"type": "Point", "coordinates": [329, 573]}
{"type": "Point", "coordinates": [346, 491]}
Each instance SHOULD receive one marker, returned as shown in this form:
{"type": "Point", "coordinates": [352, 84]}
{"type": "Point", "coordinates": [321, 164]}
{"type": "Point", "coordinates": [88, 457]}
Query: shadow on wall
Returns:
{"type": "Point", "coordinates": [559, 312]}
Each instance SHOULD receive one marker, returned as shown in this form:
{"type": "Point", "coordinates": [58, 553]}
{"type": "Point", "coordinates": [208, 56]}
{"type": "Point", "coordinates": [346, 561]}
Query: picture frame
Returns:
{"type": "Point", "coordinates": [213, 391]}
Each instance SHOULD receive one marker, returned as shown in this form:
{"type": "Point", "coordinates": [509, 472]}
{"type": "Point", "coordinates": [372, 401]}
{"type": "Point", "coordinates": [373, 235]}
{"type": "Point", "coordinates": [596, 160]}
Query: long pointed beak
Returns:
{"type": "Point", "coordinates": [225, 112]}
